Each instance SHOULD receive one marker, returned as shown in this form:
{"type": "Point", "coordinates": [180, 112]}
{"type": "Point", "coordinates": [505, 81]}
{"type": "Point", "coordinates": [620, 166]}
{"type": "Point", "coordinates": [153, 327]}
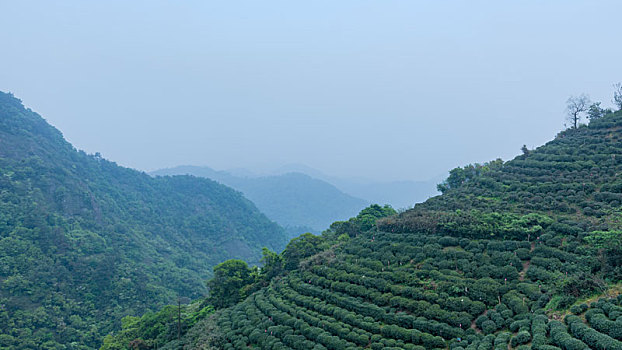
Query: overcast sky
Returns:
{"type": "Point", "coordinates": [379, 89]}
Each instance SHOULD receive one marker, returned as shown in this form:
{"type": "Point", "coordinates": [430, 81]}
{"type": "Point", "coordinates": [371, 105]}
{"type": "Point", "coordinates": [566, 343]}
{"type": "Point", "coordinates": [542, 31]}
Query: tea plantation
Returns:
{"type": "Point", "coordinates": [417, 291]}
{"type": "Point", "coordinates": [524, 254]}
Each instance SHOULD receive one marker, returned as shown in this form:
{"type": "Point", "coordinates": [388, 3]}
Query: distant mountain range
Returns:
{"type": "Point", "coordinates": [303, 199]}
{"type": "Point", "coordinates": [399, 194]}
{"type": "Point", "coordinates": [296, 201]}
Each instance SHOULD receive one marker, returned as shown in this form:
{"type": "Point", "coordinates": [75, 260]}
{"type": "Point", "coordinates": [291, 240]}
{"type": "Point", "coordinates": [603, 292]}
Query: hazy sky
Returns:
{"type": "Point", "coordinates": [380, 89]}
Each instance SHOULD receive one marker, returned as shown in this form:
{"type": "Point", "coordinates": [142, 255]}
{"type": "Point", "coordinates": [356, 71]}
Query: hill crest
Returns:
{"type": "Point", "coordinates": [296, 201]}
{"type": "Point", "coordinates": [507, 258]}
{"type": "Point", "coordinates": [84, 241]}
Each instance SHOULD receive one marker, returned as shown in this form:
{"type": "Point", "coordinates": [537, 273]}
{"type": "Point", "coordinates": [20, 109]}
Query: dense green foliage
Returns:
{"type": "Point", "coordinates": [494, 263]}
{"type": "Point", "coordinates": [460, 176]}
{"type": "Point", "coordinates": [363, 222]}
{"type": "Point", "coordinates": [416, 290]}
{"type": "Point", "coordinates": [296, 201]}
{"type": "Point", "coordinates": [234, 280]}
{"type": "Point", "coordinates": [84, 242]}
{"type": "Point", "coordinates": [153, 330]}
{"type": "Point", "coordinates": [226, 288]}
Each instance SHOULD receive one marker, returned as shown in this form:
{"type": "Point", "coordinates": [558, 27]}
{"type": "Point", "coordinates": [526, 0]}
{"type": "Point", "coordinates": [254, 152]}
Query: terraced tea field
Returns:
{"type": "Point", "coordinates": [412, 291]}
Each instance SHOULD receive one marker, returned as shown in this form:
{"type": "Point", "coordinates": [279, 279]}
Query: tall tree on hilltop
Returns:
{"type": "Point", "coordinates": [525, 150]}
{"type": "Point", "coordinates": [575, 106]}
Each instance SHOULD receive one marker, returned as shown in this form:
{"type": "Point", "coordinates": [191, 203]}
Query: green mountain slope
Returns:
{"type": "Point", "coordinates": [576, 176]}
{"type": "Point", "coordinates": [294, 200]}
{"type": "Point", "coordinates": [84, 242]}
{"type": "Point", "coordinates": [498, 261]}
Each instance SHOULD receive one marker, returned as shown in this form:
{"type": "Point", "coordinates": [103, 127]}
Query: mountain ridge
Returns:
{"type": "Point", "coordinates": [84, 241]}
{"type": "Point", "coordinates": [402, 194]}
{"type": "Point", "coordinates": [294, 200]}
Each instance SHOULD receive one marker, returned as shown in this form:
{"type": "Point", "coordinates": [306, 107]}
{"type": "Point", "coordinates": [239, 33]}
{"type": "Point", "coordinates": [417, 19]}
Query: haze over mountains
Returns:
{"type": "Point", "coordinates": [299, 197]}
{"type": "Point", "coordinates": [399, 194]}
{"type": "Point", "coordinates": [294, 200]}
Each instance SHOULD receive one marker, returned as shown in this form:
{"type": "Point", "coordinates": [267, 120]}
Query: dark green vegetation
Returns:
{"type": "Point", "coordinates": [153, 330]}
{"type": "Point", "coordinates": [497, 262]}
{"type": "Point", "coordinates": [84, 242]}
{"type": "Point", "coordinates": [234, 280]}
{"type": "Point", "coordinates": [294, 200]}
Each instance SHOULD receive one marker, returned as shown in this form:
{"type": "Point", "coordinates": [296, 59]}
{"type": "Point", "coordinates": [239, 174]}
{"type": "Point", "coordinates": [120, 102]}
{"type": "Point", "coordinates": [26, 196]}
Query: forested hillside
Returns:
{"type": "Point", "coordinates": [296, 201]}
{"type": "Point", "coordinates": [84, 242]}
{"type": "Point", "coordinates": [525, 254]}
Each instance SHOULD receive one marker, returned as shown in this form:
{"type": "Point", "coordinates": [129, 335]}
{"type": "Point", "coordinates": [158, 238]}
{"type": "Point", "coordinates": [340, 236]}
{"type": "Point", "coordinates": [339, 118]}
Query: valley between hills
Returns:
{"type": "Point", "coordinates": [519, 254]}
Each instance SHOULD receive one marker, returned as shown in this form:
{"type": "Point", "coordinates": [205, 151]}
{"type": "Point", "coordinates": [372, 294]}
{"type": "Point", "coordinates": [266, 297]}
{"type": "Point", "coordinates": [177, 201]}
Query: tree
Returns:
{"type": "Point", "coordinates": [180, 300]}
{"type": "Point", "coordinates": [364, 221]}
{"type": "Point", "coordinates": [525, 150]}
{"type": "Point", "coordinates": [609, 240]}
{"type": "Point", "coordinates": [617, 95]}
{"type": "Point", "coordinates": [575, 106]}
{"type": "Point", "coordinates": [459, 176]}
{"type": "Point", "coordinates": [272, 264]}
{"type": "Point", "coordinates": [299, 248]}
{"type": "Point", "coordinates": [367, 218]}
{"type": "Point", "coordinates": [595, 111]}
{"type": "Point", "coordinates": [227, 286]}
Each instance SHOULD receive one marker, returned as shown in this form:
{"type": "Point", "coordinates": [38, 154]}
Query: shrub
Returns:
{"type": "Point", "coordinates": [576, 309]}
{"type": "Point", "coordinates": [522, 337]}
{"type": "Point", "coordinates": [489, 327]}
{"type": "Point", "coordinates": [517, 325]}
{"type": "Point", "coordinates": [590, 336]}
{"type": "Point", "coordinates": [560, 336]}
{"type": "Point", "coordinates": [600, 322]}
